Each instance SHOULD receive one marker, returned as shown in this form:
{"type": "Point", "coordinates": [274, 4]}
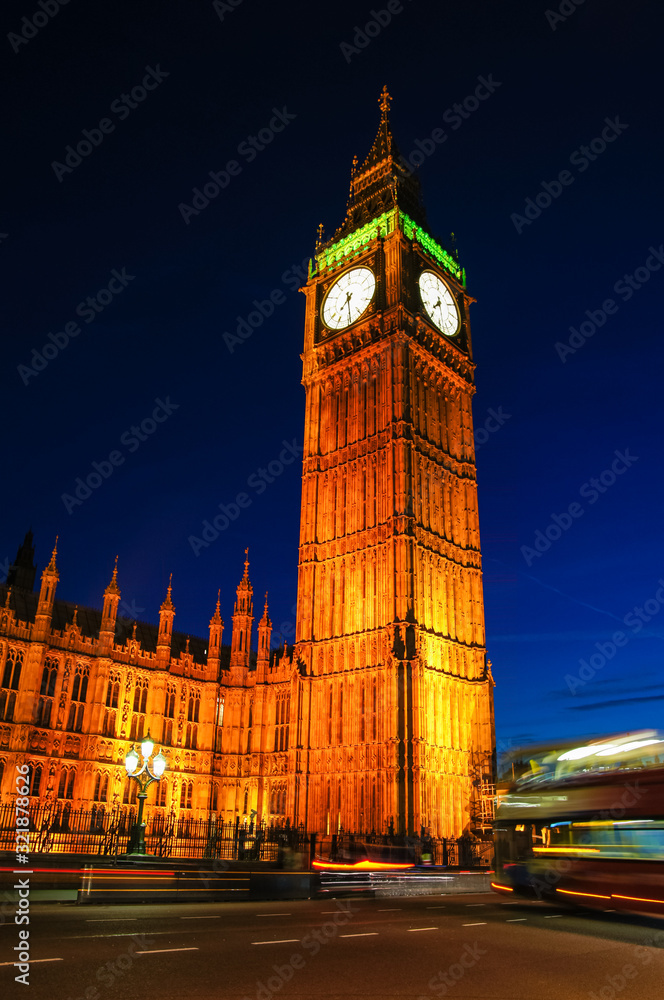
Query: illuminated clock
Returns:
{"type": "Point", "coordinates": [348, 297]}
{"type": "Point", "coordinates": [439, 303]}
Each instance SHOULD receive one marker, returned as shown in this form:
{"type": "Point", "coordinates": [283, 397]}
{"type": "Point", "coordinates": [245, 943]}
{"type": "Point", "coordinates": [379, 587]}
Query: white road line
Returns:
{"type": "Point", "coordinates": [475, 904]}
{"type": "Point", "coordinates": [482, 923]}
{"type": "Point", "coordinates": [414, 930]}
{"type": "Point", "coordinates": [550, 916]}
{"type": "Point", "coordinates": [204, 916]}
{"type": "Point", "coordinates": [515, 920]}
{"type": "Point", "coordinates": [434, 907]}
{"type": "Point", "coordinates": [365, 934]}
{"type": "Point", "coordinates": [101, 920]}
{"type": "Point", "coordinates": [34, 960]}
{"type": "Point", "coordinates": [274, 914]}
{"type": "Point", "coordinates": [160, 951]}
{"type": "Point", "coordinates": [387, 909]}
{"type": "Point", "coordinates": [281, 941]}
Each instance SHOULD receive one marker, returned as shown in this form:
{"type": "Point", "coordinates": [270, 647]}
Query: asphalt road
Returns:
{"type": "Point", "coordinates": [467, 947]}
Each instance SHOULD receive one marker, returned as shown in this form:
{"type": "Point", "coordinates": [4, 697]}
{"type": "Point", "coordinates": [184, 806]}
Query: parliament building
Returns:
{"type": "Point", "coordinates": [380, 717]}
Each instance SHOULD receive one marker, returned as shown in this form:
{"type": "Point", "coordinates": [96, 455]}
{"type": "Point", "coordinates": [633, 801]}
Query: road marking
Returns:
{"type": "Point", "coordinates": [550, 916]}
{"type": "Point", "coordinates": [434, 907]}
{"type": "Point", "coordinates": [204, 916]}
{"type": "Point", "coordinates": [160, 951]}
{"type": "Point", "coordinates": [515, 920]}
{"type": "Point", "coordinates": [281, 941]}
{"type": "Point", "coordinates": [388, 909]}
{"type": "Point", "coordinates": [475, 904]}
{"type": "Point", "coordinates": [34, 960]}
{"type": "Point", "coordinates": [275, 914]}
{"type": "Point", "coordinates": [482, 923]}
{"type": "Point", "coordinates": [365, 934]}
{"type": "Point", "coordinates": [414, 930]}
{"type": "Point", "coordinates": [100, 920]}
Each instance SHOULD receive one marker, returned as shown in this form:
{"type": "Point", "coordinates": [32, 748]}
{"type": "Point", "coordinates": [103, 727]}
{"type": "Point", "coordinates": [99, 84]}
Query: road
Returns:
{"type": "Point", "coordinates": [467, 947]}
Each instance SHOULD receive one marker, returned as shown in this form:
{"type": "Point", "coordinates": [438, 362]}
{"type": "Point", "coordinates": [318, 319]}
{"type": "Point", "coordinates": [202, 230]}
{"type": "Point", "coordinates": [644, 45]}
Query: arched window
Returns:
{"type": "Point", "coordinates": [191, 736]}
{"type": "Point", "coordinates": [169, 706]}
{"type": "Point", "coordinates": [130, 791]}
{"type": "Point", "coordinates": [49, 678]}
{"type": "Point", "coordinates": [35, 779]}
{"type": "Point", "coordinates": [11, 675]}
{"type": "Point", "coordinates": [186, 793]}
{"type": "Point", "coordinates": [79, 690]}
{"type": "Point", "coordinates": [162, 791]}
{"type": "Point", "coordinates": [281, 717]}
{"type": "Point", "coordinates": [168, 732]}
{"type": "Point", "coordinates": [112, 693]}
{"type": "Point", "coordinates": [193, 706]}
{"type": "Point", "coordinates": [101, 788]}
{"type": "Point", "coordinates": [66, 785]}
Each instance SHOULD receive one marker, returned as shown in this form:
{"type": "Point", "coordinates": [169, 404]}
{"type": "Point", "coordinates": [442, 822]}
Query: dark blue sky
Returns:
{"type": "Point", "coordinates": [548, 88]}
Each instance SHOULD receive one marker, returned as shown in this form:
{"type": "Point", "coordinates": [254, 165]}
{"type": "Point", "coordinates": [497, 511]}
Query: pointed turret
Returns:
{"type": "Point", "coordinates": [264, 637]}
{"type": "Point", "coordinates": [109, 611]}
{"type": "Point", "coordinates": [166, 616]}
{"type": "Point", "coordinates": [49, 582]}
{"type": "Point", "coordinates": [22, 571]}
{"type": "Point", "coordinates": [242, 619]}
{"type": "Point", "coordinates": [214, 645]}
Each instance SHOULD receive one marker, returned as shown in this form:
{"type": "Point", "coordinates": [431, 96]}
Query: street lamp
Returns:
{"type": "Point", "coordinates": [148, 776]}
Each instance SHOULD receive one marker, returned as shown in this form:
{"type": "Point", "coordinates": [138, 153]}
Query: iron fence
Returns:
{"type": "Point", "coordinates": [112, 832]}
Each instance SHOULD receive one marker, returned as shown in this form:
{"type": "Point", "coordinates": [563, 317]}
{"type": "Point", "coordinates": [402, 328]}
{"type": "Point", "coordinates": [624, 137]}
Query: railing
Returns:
{"type": "Point", "coordinates": [59, 829]}
{"type": "Point", "coordinates": [56, 828]}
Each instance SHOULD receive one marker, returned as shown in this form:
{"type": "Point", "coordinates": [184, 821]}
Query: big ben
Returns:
{"type": "Point", "coordinates": [395, 704]}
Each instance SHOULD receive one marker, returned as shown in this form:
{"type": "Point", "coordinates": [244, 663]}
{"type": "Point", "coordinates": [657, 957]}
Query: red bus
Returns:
{"type": "Point", "coordinates": [584, 824]}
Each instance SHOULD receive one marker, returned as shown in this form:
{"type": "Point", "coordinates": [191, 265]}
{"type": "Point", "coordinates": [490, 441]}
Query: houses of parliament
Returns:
{"type": "Point", "coordinates": [380, 717]}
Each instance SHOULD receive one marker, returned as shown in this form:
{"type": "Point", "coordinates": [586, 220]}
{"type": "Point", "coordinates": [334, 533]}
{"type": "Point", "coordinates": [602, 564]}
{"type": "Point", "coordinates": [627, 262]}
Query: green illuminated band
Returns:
{"type": "Point", "coordinates": [384, 224]}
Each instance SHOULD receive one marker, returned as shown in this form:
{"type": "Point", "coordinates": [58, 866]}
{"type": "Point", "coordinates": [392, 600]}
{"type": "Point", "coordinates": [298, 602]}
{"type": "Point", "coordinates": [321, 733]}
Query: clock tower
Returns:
{"type": "Point", "coordinates": [395, 705]}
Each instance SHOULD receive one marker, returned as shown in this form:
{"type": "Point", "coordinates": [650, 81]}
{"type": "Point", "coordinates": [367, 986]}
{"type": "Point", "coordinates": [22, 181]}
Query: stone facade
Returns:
{"type": "Point", "coordinates": [380, 718]}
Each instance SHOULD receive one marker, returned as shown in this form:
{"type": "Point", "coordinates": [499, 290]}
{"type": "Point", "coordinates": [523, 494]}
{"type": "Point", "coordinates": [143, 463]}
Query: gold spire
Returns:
{"type": "Point", "coordinates": [246, 565]}
{"type": "Point", "coordinates": [52, 565]}
{"type": "Point", "coordinates": [168, 603]}
{"type": "Point", "coordinates": [384, 102]}
{"type": "Point", "coordinates": [113, 585]}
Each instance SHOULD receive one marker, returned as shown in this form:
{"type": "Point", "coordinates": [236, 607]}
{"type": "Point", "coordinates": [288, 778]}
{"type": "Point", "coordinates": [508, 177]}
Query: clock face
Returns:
{"type": "Point", "coordinates": [439, 303]}
{"type": "Point", "coordinates": [348, 298]}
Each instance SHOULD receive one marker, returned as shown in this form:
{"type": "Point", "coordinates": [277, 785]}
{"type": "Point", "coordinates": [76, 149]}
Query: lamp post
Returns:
{"type": "Point", "coordinates": [144, 777]}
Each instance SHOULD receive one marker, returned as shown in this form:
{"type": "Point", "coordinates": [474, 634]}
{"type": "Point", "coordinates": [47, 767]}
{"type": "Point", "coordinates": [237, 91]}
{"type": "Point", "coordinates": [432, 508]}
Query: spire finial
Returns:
{"type": "Point", "coordinates": [51, 565]}
{"type": "Point", "coordinates": [384, 102]}
{"type": "Point", "coordinates": [8, 596]}
{"type": "Point", "coordinates": [219, 600]}
{"type": "Point", "coordinates": [246, 564]}
{"type": "Point", "coordinates": [320, 236]}
{"type": "Point", "coordinates": [74, 620]}
{"type": "Point", "coordinates": [113, 585]}
{"type": "Point", "coordinates": [266, 602]}
{"type": "Point", "coordinates": [168, 603]}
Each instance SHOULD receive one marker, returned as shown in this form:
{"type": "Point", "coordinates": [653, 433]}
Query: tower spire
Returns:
{"type": "Point", "coordinates": [51, 566]}
{"type": "Point", "coordinates": [243, 616]}
{"type": "Point", "coordinates": [109, 612]}
{"type": "Point", "coordinates": [382, 183]}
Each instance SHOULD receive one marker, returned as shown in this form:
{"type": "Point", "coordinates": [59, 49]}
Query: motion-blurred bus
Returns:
{"type": "Point", "coordinates": [584, 824]}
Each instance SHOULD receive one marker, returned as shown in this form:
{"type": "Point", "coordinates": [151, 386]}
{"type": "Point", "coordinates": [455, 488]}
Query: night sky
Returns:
{"type": "Point", "coordinates": [557, 228]}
